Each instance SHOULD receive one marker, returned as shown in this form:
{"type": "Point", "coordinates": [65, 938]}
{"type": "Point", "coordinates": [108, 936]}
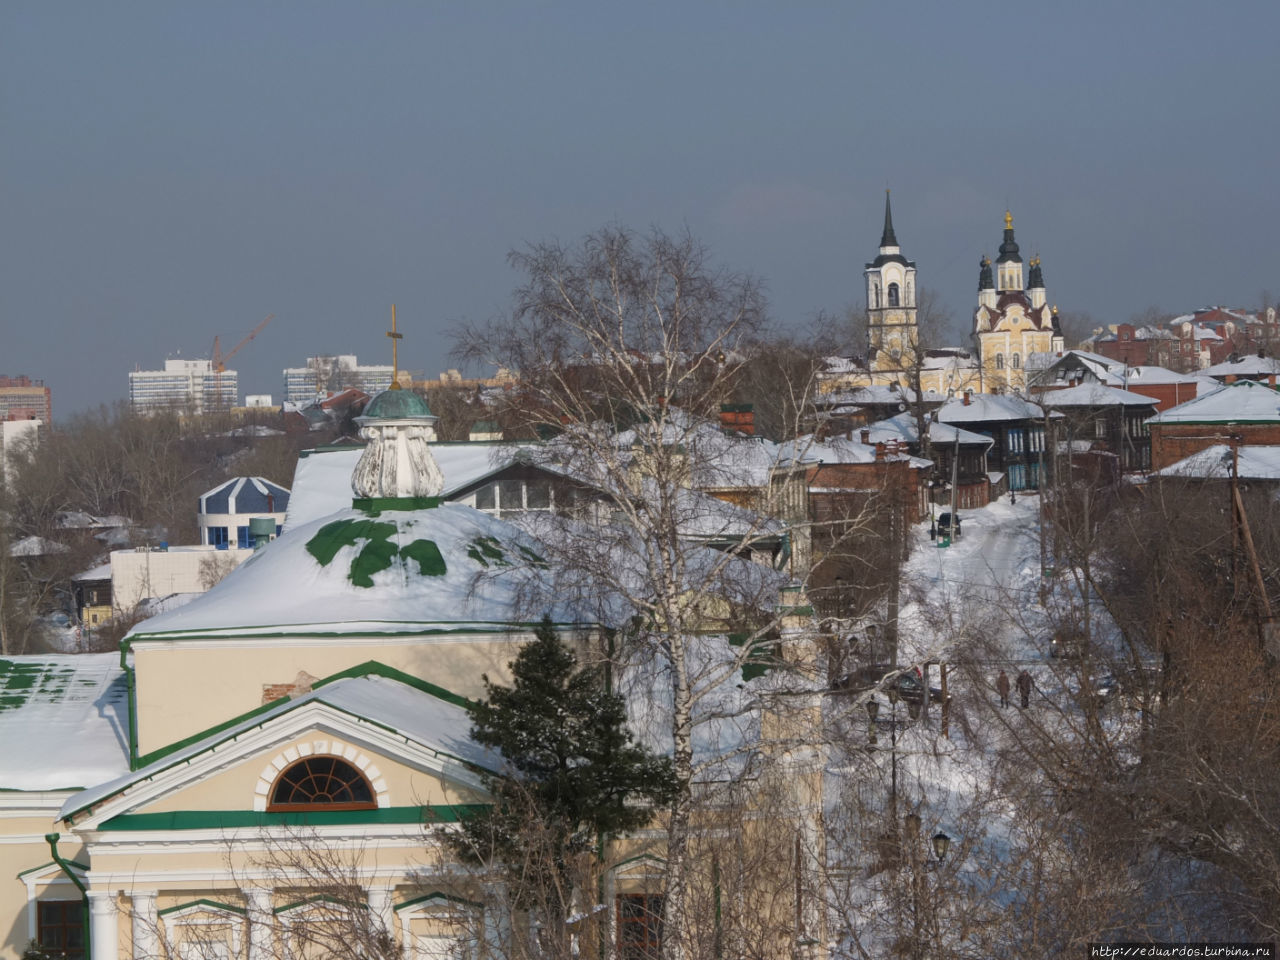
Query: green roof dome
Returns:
{"type": "Point", "coordinates": [396, 405]}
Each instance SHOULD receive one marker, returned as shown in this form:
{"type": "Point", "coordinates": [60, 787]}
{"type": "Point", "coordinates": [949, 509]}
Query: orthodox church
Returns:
{"type": "Point", "coordinates": [893, 334]}
{"type": "Point", "coordinates": [1011, 321]}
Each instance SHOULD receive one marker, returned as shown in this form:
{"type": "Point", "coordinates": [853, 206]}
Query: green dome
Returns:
{"type": "Point", "coordinates": [396, 405]}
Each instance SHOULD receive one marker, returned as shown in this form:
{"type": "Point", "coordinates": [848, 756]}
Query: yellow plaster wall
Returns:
{"type": "Point", "coordinates": [233, 789]}
{"type": "Point", "coordinates": [183, 689]}
{"type": "Point", "coordinates": [30, 850]}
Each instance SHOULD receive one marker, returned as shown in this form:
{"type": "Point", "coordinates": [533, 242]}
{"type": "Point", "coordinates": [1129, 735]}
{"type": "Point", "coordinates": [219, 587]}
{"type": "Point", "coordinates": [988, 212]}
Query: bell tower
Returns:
{"type": "Point", "coordinates": [892, 335]}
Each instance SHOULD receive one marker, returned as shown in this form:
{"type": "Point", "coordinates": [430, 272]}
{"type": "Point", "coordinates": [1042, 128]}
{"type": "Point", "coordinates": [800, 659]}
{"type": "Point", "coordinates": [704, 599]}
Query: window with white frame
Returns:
{"type": "Point", "coordinates": [515, 496]}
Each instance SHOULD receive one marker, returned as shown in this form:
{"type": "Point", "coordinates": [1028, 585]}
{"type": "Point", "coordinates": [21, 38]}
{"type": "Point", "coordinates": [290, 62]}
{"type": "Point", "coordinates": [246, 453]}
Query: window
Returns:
{"type": "Point", "coordinates": [1100, 428]}
{"type": "Point", "coordinates": [60, 927]}
{"type": "Point", "coordinates": [999, 361]}
{"type": "Point", "coordinates": [1015, 441]}
{"type": "Point", "coordinates": [243, 540]}
{"type": "Point", "coordinates": [893, 295]}
{"type": "Point", "coordinates": [321, 781]}
{"type": "Point", "coordinates": [1015, 362]}
{"type": "Point", "coordinates": [538, 496]}
{"type": "Point", "coordinates": [487, 498]}
{"type": "Point", "coordinates": [639, 926]}
{"type": "Point", "coordinates": [876, 288]}
{"type": "Point", "coordinates": [218, 536]}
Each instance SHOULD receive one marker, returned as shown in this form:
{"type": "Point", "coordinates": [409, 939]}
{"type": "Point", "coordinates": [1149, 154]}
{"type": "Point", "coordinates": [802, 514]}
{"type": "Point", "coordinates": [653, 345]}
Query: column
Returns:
{"type": "Point", "coordinates": [104, 926]}
{"type": "Point", "coordinates": [146, 925]}
{"type": "Point", "coordinates": [380, 906]}
{"type": "Point", "coordinates": [261, 923]}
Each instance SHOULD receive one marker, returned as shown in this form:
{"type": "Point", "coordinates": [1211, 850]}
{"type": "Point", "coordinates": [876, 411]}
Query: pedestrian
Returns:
{"type": "Point", "coordinates": [1002, 688]}
{"type": "Point", "coordinates": [1024, 688]}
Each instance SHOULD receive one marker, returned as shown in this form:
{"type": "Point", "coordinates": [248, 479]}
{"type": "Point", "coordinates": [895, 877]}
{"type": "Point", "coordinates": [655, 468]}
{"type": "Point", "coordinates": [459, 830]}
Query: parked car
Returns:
{"type": "Point", "coordinates": [946, 522]}
{"type": "Point", "coordinates": [881, 676]}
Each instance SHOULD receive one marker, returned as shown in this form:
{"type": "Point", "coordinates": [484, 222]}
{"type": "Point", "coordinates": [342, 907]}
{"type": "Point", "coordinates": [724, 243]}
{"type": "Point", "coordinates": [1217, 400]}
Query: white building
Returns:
{"type": "Point", "coordinates": [186, 385]}
{"type": "Point", "coordinates": [325, 375]}
{"type": "Point", "coordinates": [15, 435]}
{"type": "Point", "coordinates": [225, 511]}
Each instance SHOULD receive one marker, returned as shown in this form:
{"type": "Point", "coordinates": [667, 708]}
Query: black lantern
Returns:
{"type": "Point", "coordinates": [941, 843]}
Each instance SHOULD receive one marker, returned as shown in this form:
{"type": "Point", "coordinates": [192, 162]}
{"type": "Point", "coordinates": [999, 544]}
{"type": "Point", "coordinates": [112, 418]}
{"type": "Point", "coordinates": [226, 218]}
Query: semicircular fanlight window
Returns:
{"type": "Point", "coordinates": [321, 781]}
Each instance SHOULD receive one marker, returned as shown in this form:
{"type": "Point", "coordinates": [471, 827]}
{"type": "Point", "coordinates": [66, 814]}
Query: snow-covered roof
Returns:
{"type": "Point", "coordinates": [903, 427]}
{"type": "Point", "coordinates": [1251, 366]}
{"type": "Point", "coordinates": [1245, 401]}
{"type": "Point", "coordinates": [425, 718]}
{"type": "Point", "coordinates": [400, 571]}
{"type": "Point", "coordinates": [64, 721]}
{"type": "Point", "coordinates": [1094, 395]}
{"type": "Point", "coordinates": [36, 547]}
{"type": "Point", "coordinates": [876, 394]}
{"type": "Point", "coordinates": [986, 407]}
{"type": "Point", "coordinates": [808, 450]}
{"type": "Point", "coordinates": [1150, 374]}
{"type": "Point", "coordinates": [100, 572]}
{"type": "Point", "coordinates": [1214, 463]}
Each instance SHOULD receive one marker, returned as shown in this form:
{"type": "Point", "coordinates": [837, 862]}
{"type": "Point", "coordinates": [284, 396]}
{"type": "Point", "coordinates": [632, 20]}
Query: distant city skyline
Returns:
{"type": "Point", "coordinates": [175, 172]}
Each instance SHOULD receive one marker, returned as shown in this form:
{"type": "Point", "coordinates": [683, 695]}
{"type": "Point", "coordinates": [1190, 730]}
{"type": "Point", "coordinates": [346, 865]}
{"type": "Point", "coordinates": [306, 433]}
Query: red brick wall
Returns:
{"type": "Point", "coordinates": [1171, 442]}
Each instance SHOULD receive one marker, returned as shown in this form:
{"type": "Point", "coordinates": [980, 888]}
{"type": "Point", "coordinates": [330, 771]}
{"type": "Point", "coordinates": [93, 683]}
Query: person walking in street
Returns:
{"type": "Point", "coordinates": [1024, 689]}
{"type": "Point", "coordinates": [1002, 688]}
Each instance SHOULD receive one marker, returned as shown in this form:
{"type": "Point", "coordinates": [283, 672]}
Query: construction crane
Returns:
{"type": "Point", "coordinates": [220, 359]}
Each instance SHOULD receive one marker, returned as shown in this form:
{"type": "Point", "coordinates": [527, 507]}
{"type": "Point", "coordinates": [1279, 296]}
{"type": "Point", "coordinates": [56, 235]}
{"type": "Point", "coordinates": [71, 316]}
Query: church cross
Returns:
{"type": "Point", "coordinates": [395, 353]}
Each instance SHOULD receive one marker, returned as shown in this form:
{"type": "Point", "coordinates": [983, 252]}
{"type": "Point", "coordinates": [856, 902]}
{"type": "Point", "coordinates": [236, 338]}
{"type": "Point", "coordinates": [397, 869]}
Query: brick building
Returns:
{"type": "Point", "coordinates": [1247, 410]}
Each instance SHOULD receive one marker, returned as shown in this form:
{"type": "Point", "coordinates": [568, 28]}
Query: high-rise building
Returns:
{"type": "Point", "coordinates": [22, 398]}
{"type": "Point", "coordinates": [187, 386]}
{"type": "Point", "coordinates": [326, 375]}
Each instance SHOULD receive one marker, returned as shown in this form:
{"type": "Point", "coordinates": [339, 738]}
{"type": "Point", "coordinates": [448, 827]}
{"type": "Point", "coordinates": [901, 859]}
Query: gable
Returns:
{"type": "Point", "coordinates": [411, 745]}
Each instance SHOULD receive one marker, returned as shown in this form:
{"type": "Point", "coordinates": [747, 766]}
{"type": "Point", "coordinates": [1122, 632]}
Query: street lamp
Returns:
{"type": "Point", "coordinates": [873, 711]}
{"type": "Point", "coordinates": [941, 844]}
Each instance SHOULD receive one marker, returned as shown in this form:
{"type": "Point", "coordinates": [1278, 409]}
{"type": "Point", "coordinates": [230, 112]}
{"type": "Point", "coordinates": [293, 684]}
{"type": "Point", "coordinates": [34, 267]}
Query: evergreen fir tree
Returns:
{"type": "Point", "coordinates": [574, 775]}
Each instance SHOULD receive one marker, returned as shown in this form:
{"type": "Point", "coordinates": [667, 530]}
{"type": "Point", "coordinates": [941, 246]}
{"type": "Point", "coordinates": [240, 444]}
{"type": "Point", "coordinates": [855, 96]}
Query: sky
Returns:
{"type": "Point", "coordinates": [174, 171]}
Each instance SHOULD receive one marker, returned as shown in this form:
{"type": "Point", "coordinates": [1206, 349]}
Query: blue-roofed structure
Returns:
{"type": "Point", "coordinates": [225, 511]}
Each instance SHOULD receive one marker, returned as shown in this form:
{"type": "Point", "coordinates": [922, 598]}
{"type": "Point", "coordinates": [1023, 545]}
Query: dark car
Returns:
{"type": "Point", "coordinates": [945, 523]}
{"type": "Point", "coordinates": [881, 676]}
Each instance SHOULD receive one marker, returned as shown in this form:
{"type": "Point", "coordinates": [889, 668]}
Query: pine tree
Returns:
{"type": "Point", "coordinates": [573, 776]}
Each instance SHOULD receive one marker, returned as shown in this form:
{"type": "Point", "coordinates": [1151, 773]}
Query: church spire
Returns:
{"type": "Point", "coordinates": [887, 239]}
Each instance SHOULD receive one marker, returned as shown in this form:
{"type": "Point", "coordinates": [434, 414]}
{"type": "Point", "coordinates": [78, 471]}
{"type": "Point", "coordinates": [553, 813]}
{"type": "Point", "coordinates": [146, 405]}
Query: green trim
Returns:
{"type": "Point", "coordinates": [51, 863]}
{"type": "Point", "coordinates": [203, 903]}
{"type": "Point", "coordinates": [320, 898]}
{"type": "Point", "coordinates": [439, 895]}
{"type": "Point", "coordinates": [369, 668]}
{"type": "Point", "coordinates": [372, 668]}
{"type": "Point", "coordinates": [317, 630]}
{"type": "Point", "coordinates": [231, 819]}
{"type": "Point", "coordinates": [373, 506]}
{"type": "Point", "coordinates": [195, 738]}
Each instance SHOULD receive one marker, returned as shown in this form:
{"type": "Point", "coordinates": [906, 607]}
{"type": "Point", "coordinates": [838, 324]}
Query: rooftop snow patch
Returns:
{"type": "Point", "coordinates": [400, 571]}
{"type": "Point", "coordinates": [987, 407]}
{"type": "Point", "coordinates": [63, 721]}
{"type": "Point", "coordinates": [1214, 463]}
{"type": "Point", "coordinates": [1094, 395]}
{"type": "Point", "coordinates": [1245, 401]}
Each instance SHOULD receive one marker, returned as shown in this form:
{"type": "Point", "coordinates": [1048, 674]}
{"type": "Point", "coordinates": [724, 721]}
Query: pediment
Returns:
{"type": "Point", "coordinates": [234, 770]}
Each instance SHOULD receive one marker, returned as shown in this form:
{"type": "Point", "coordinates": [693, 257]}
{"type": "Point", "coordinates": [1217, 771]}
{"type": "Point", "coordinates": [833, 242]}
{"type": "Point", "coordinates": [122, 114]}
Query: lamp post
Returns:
{"type": "Point", "coordinates": [873, 710]}
{"type": "Point", "coordinates": [893, 741]}
{"type": "Point", "coordinates": [940, 843]}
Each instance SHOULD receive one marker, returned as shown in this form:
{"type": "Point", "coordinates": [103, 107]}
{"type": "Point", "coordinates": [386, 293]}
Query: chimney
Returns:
{"type": "Point", "coordinates": [866, 437]}
{"type": "Point", "coordinates": [738, 417]}
{"type": "Point", "coordinates": [967, 395]}
{"type": "Point", "coordinates": [879, 452]}
{"type": "Point", "coordinates": [892, 448]}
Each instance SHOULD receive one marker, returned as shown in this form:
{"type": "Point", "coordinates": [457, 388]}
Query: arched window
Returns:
{"type": "Point", "coordinates": [1015, 361]}
{"type": "Point", "coordinates": [319, 781]}
{"type": "Point", "coordinates": [876, 287]}
{"type": "Point", "coordinates": [893, 295]}
{"type": "Point", "coordinates": [999, 361]}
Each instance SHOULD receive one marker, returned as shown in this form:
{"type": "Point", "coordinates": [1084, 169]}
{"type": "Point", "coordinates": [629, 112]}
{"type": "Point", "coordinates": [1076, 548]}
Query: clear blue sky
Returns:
{"type": "Point", "coordinates": [171, 171]}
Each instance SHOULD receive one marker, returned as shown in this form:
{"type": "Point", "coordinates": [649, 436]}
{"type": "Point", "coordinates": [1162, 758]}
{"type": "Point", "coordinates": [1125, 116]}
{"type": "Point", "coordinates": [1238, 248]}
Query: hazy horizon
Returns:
{"type": "Point", "coordinates": [175, 172]}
